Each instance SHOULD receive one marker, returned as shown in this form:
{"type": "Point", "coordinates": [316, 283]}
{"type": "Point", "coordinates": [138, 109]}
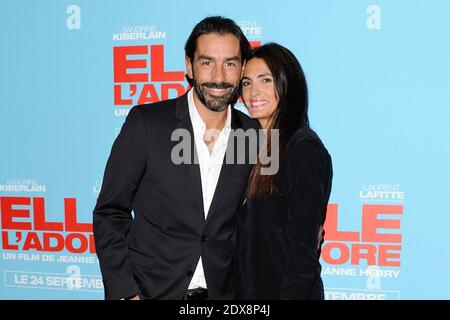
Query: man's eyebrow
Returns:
{"type": "Point", "coordinates": [202, 56]}
{"type": "Point", "coordinates": [233, 58]}
{"type": "Point", "coordinates": [205, 57]}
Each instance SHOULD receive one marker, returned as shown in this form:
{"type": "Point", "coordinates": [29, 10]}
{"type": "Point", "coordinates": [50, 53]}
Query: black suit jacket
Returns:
{"type": "Point", "coordinates": [155, 253]}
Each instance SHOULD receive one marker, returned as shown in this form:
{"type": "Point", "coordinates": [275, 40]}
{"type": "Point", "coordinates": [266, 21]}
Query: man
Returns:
{"type": "Point", "coordinates": [180, 243]}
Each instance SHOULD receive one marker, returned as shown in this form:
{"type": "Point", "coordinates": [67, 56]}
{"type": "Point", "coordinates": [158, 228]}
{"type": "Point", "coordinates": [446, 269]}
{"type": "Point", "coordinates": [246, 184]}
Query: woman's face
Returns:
{"type": "Point", "coordinates": [258, 91]}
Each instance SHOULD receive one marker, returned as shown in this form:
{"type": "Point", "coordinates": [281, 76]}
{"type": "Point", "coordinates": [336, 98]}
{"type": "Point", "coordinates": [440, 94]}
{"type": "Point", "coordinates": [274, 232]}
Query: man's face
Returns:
{"type": "Point", "coordinates": [215, 70]}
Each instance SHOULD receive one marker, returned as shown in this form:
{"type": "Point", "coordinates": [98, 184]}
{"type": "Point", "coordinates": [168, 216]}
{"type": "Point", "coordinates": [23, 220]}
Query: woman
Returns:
{"type": "Point", "coordinates": [280, 222]}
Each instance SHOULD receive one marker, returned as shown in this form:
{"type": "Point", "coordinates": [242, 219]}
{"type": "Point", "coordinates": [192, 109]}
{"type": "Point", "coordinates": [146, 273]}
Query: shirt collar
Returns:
{"type": "Point", "coordinates": [197, 121]}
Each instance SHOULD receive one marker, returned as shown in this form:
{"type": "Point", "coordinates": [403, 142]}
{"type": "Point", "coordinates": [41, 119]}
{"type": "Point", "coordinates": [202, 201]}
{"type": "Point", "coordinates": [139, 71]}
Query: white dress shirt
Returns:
{"type": "Point", "coordinates": [210, 165]}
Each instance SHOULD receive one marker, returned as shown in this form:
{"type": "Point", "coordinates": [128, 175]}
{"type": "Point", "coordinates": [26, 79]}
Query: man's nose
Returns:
{"type": "Point", "coordinates": [218, 74]}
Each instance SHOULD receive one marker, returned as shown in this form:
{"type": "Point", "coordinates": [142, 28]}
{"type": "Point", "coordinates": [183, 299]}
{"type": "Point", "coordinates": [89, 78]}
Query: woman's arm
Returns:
{"type": "Point", "coordinates": [308, 182]}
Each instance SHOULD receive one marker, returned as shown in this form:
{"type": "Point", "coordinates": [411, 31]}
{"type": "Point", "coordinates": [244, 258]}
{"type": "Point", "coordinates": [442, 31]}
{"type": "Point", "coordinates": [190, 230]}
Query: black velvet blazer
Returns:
{"type": "Point", "coordinates": [277, 255]}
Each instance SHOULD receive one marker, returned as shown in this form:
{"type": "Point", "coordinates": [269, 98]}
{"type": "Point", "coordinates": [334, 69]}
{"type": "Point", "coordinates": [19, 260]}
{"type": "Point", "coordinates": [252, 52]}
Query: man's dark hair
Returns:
{"type": "Point", "coordinates": [221, 26]}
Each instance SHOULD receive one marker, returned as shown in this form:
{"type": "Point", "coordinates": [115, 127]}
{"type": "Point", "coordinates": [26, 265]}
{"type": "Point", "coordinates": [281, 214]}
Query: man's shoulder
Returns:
{"type": "Point", "coordinates": [247, 122]}
{"type": "Point", "coordinates": [160, 108]}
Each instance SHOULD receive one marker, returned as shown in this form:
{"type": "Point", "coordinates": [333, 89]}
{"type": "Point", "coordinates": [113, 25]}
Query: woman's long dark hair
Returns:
{"type": "Point", "coordinates": [291, 113]}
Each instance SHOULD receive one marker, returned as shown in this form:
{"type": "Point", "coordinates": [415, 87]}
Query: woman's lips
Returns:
{"type": "Point", "coordinates": [257, 103]}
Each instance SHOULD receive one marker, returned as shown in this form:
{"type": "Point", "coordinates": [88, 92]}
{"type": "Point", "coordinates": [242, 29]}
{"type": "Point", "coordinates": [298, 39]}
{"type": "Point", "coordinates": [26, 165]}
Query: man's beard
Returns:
{"type": "Point", "coordinates": [216, 103]}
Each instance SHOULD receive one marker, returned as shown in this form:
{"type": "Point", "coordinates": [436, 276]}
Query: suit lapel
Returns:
{"type": "Point", "coordinates": [192, 169]}
{"type": "Point", "coordinates": [227, 169]}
